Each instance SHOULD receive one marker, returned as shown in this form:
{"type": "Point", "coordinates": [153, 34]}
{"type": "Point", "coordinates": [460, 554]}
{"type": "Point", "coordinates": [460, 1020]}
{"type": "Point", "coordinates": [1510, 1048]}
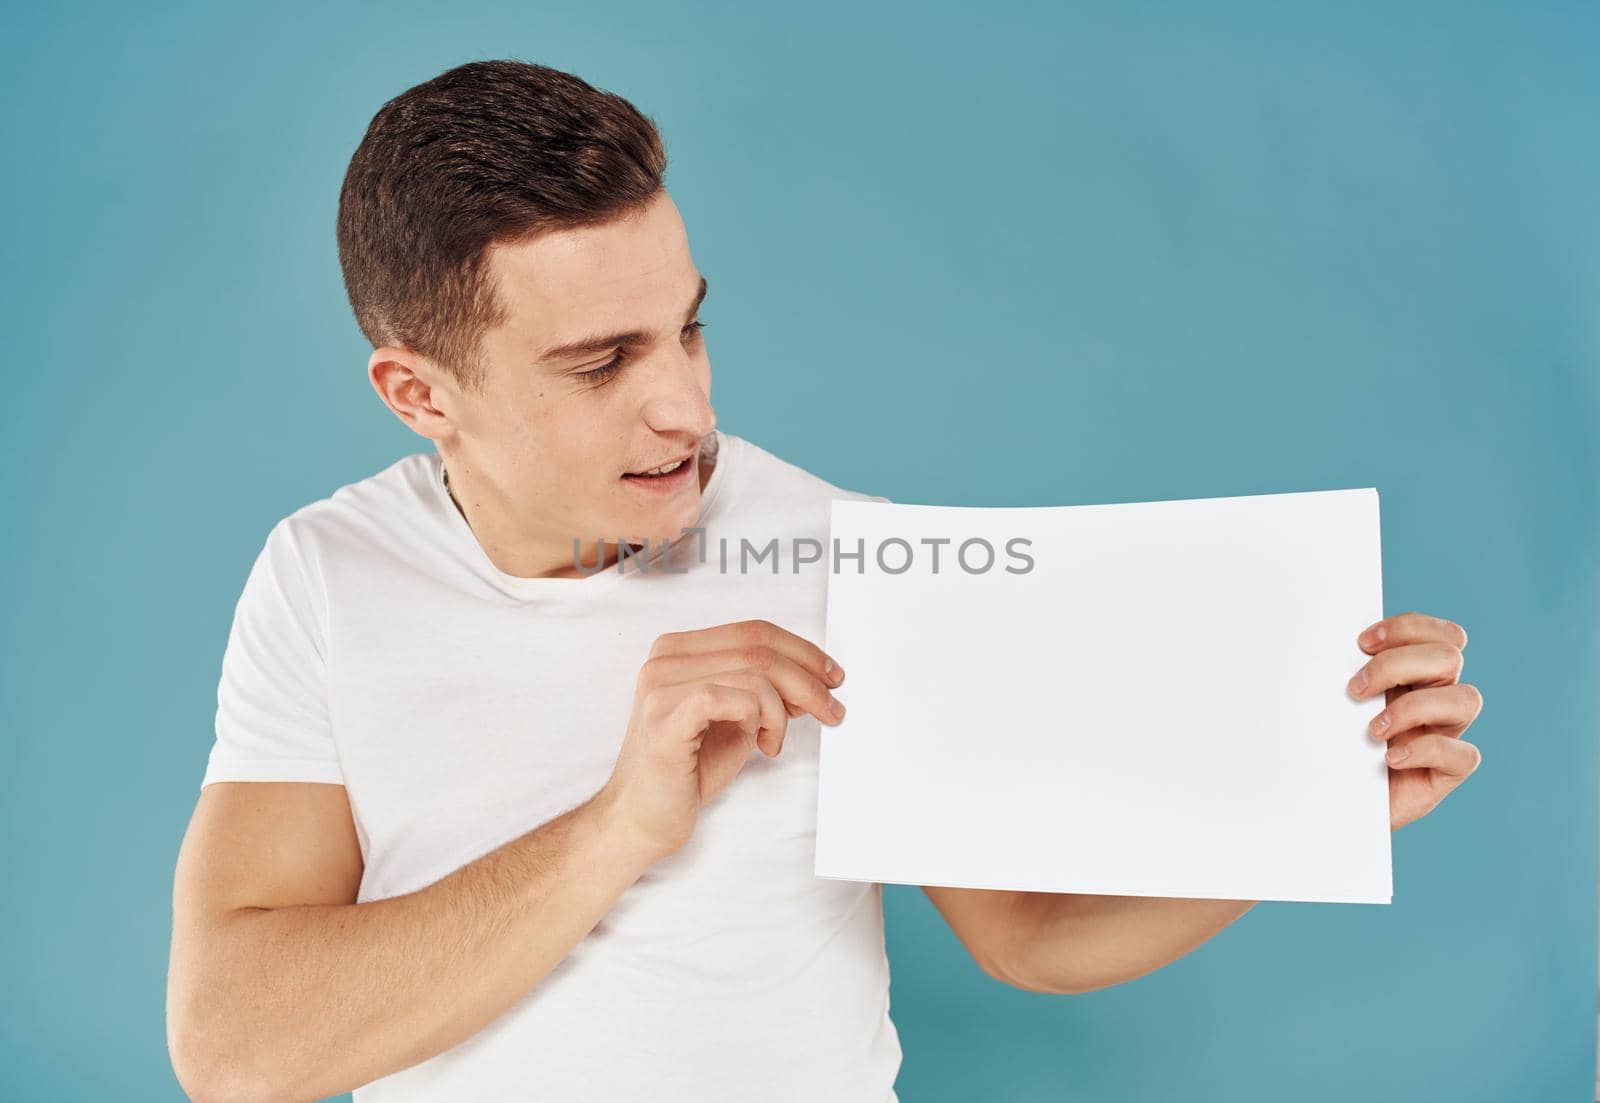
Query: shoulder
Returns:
{"type": "Point", "coordinates": [382, 509]}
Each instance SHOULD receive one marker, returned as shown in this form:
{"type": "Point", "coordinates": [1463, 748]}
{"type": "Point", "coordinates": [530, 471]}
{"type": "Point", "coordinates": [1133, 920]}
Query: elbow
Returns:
{"type": "Point", "coordinates": [1052, 987]}
{"type": "Point", "coordinates": [202, 1077]}
{"type": "Point", "coordinates": [194, 1070]}
{"type": "Point", "coordinates": [210, 1070]}
{"type": "Point", "coordinates": [207, 1080]}
{"type": "Point", "coordinates": [1025, 979]}
{"type": "Point", "coordinates": [1048, 988]}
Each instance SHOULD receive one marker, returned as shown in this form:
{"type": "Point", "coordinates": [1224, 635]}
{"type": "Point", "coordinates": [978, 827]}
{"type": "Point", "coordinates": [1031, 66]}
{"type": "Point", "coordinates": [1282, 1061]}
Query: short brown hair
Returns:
{"type": "Point", "coordinates": [487, 151]}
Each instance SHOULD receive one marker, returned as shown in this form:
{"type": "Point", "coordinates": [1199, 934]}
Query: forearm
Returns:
{"type": "Point", "coordinates": [1058, 942]}
{"type": "Point", "coordinates": [299, 1003]}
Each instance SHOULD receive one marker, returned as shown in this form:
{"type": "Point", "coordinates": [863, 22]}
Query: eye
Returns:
{"type": "Point", "coordinates": [604, 372]}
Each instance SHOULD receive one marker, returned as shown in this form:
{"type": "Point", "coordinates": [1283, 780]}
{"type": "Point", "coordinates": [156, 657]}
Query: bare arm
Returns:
{"type": "Point", "coordinates": [1073, 943]}
{"type": "Point", "coordinates": [281, 987]}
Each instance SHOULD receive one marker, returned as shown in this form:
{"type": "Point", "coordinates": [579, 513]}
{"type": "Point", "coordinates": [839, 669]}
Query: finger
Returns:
{"type": "Point", "coordinates": [797, 685]}
{"type": "Point", "coordinates": [1454, 706]}
{"type": "Point", "coordinates": [774, 717]}
{"type": "Point", "coordinates": [1434, 664]}
{"type": "Point", "coordinates": [1404, 628]}
{"type": "Point", "coordinates": [1453, 757]}
{"type": "Point", "coordinates": [699, 704]}
{"type": "Point", "coordinates": [747, 633]}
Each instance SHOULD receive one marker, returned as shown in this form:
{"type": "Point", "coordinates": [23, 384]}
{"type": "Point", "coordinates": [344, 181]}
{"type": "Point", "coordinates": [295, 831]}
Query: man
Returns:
{"type": "Point", "coordinates": [513, 792]}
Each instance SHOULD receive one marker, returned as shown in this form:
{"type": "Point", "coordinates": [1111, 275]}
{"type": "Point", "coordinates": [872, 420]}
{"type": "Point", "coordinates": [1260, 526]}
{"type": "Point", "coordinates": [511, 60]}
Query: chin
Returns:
{"type": "Point", "coordinates": [662, 525]}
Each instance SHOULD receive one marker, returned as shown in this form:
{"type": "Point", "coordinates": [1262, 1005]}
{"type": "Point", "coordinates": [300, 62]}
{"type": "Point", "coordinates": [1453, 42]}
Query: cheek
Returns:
{"type": "Point", "coordinates": [575, 447]}
{"type": "Point", "coordinates": [539, 413]}
{"type": "Point", "coordinates": [538, 433]}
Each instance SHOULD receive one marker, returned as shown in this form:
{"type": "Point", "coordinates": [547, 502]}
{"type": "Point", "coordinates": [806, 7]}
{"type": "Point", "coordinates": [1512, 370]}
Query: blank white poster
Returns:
{"type": "Point", "coordinates": [1142, 699]}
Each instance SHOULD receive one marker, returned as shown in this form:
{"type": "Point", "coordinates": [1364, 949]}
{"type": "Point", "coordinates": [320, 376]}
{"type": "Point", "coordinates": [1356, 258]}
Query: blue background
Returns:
{"type": "Point", "coordinates": [1005, 256]}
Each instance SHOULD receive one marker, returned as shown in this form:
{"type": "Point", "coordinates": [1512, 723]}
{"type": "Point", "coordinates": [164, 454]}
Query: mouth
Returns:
{"type": "Point", "coordinates": [667, 476]}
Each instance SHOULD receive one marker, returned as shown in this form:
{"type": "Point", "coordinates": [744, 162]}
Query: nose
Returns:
{"type": "Point", "coordinates": [680, 397]}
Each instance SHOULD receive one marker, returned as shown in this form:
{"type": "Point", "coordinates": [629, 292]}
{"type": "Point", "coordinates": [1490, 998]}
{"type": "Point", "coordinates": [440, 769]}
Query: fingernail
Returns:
{"type": "Point", "coordinates": [833, 671]}
{"type": "Point", "coordinates": [1380, 723]}
{"type": "Point", "coordinates": [1377, 634]}
{"type": "Point", "coordinates": [1398, 754]}
{"type": "Point", "coordinates": [1359, 682]}
{"type": "Point", "coordinates": [837, 706]}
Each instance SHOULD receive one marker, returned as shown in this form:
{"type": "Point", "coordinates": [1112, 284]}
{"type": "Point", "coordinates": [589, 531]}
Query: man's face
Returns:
{"type": "Point", "coordinates": [557, 430]}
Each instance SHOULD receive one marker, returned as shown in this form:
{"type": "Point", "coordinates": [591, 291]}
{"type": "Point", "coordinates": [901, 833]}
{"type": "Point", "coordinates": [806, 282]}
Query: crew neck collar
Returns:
{"type": "Point", "coordinates": [723, 447]}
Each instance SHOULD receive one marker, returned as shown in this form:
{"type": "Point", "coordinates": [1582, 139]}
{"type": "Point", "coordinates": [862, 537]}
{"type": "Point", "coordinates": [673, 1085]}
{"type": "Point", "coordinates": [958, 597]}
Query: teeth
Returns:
{"type": "Point", "coordinates": [664, 469]}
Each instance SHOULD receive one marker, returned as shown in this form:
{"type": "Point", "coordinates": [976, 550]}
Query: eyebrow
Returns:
{"type": "Point", "coordinates": [604, 341]}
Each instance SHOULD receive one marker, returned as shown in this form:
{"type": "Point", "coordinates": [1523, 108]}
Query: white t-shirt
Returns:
{"type": "Point", "coordinates": [376, 646]}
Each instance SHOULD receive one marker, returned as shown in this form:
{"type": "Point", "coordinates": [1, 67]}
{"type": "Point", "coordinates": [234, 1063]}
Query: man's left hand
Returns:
{"type": "Point", "coordinates": [1416, 664]}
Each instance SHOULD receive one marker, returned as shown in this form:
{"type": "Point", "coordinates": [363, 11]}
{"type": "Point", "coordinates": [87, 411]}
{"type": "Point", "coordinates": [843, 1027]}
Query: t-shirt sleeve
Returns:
{"type": "Point", "coordinates": [272, 721]}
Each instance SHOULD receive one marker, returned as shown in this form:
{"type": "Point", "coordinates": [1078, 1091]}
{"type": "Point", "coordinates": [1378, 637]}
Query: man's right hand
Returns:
{"type": "Point", "coordinates": [703, 699]}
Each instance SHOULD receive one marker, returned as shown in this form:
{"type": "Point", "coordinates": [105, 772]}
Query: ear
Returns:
{"type": "Point", "coordinates": [415, 389]}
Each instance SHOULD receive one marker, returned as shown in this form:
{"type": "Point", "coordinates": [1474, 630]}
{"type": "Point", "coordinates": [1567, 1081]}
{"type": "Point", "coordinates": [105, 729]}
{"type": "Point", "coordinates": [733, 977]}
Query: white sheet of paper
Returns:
{"type": "Point", "coordinates": [1156, 707]}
